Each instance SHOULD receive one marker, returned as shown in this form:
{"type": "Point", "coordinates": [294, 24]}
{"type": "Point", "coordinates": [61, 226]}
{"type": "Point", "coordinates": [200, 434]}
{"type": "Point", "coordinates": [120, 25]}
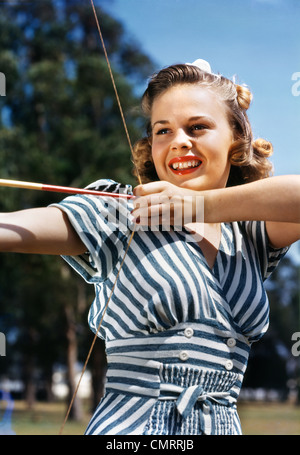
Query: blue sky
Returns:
{"type": "Point", "coordinates": [258, 41]}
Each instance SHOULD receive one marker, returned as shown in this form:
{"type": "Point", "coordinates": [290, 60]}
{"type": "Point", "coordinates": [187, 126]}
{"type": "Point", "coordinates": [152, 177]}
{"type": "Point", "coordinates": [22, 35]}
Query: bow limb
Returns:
{"type": "Point", "coordinates": [115, 89]}
{"type": "Point", "coordinates": [131, 236]}
{"type": "Point", "coordinates": [95, 338]}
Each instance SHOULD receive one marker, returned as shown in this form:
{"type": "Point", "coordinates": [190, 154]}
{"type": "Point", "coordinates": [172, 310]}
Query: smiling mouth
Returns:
{"type": "Point", "coordinates": [184, 165]}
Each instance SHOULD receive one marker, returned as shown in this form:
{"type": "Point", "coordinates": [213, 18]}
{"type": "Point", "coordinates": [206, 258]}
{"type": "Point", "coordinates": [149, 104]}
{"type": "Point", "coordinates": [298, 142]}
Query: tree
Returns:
{"type": "Point", "coordinates": [271, 363]}
{"type": "Point", "coordinates": [59, 123]}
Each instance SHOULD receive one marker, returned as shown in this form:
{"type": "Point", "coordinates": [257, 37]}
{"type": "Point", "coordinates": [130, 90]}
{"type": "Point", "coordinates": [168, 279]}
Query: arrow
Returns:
{"type": "Point", "coordinates": [59, 189]}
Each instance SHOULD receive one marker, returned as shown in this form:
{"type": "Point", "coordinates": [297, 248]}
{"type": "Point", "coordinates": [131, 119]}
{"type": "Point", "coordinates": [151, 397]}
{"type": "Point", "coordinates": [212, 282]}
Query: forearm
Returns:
{"type": "Point", "coordinates": [270, 199]}
{"type": "Point", "coordinates": [39, 231]}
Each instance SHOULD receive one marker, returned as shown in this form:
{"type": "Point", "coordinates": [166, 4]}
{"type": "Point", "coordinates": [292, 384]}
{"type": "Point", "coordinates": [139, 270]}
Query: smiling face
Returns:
{"type": "Point", "coordinates": [191, 138]}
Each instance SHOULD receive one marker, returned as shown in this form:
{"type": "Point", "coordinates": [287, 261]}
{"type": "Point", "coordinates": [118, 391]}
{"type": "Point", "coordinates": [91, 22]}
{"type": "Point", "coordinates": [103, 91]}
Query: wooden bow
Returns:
{"type": "Point", "coordinates": [131, 236]}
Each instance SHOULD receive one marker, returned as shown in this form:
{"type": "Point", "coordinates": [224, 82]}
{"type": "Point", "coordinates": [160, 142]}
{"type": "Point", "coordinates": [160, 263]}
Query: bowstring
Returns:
{"type": "Point", "coordinates": [131, 236]}
{"type": "Point", "coordinates": [115, 89]}
{"type": "Point", "coordinates": [95, 338]}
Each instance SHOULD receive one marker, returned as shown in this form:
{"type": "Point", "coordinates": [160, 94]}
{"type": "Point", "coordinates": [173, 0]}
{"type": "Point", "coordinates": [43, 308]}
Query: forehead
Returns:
{"type": "Point", "coordinates": [188, 100]}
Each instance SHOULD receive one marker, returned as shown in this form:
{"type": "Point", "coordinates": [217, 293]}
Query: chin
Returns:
{"type": "Point", "coordinates": [198, 184]}
{"type": "Point", "coordinates": [201, 184]}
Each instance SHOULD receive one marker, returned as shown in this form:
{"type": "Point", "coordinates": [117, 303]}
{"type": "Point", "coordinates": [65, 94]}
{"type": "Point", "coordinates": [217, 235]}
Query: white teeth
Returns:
{"type": "Point", "coordinates": [186, 164]}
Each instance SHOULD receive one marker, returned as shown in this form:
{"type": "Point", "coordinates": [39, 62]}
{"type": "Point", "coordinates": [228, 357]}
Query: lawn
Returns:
{"type": "Point", "coordinates": [269, 418]}
{"type": "Point", "coordinates": [256, 418]}
{"type": "Point", "coordinates": [45, 419]}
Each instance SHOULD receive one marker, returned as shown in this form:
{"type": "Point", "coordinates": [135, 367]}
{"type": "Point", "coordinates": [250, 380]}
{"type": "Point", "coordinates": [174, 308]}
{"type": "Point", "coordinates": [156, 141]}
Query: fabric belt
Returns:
{"type": "Point", "coordinates": [186, 399]}
{"type": "Point", "coordinates": [152, 380]}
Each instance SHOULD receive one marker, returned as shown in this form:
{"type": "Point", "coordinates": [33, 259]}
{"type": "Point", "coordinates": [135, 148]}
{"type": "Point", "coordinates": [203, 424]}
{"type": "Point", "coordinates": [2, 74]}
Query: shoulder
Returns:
{"type": "Point", "coordinates": [93, 213]}
{"type": "Point", "coordinates": [256, 239]}
{"type": "Point", "coordinates": [282, 234]}
{"type": "Point", "coordinates": [110, 186]}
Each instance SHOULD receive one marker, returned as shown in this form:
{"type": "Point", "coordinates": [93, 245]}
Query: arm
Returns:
{"type": "Point", "coordinates": [42, 230]}
{"type": "Point", "coordinates": [275, 200]}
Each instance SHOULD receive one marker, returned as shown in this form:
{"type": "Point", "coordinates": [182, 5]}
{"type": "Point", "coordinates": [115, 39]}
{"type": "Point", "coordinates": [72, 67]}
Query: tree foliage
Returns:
{"type": "Point", "coordinates": [272, 364]}
{"type": "Point", "coordinates": [59, 124]}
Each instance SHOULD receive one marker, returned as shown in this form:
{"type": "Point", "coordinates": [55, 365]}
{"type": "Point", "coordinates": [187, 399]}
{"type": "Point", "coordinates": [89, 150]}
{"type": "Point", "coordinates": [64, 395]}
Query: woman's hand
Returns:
{"type": "Point", "coordinates": [164, 204]}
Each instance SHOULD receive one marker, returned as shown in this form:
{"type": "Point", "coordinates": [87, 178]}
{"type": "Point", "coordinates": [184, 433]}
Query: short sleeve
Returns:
{"type": "Point", "coordinates": [268, 257]}
{"type": "Point", "coordinates": [103, 225]}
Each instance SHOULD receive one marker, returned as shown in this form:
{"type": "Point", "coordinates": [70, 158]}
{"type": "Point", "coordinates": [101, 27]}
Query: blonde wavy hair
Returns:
{"type": "Point", "coordinates": [248, 157]}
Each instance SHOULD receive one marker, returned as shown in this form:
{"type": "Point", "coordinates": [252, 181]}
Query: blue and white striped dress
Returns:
{"type": "Point", "coordinates": [177, 332]}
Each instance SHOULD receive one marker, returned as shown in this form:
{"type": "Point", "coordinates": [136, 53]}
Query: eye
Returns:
{"type": "Point", "coordinates": [198, 127]}
{"type": "Point", "coordinates": [162, 131]}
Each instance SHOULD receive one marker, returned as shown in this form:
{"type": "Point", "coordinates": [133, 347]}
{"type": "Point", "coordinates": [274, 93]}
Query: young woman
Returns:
{"type": "Point", "coordinates": [185, 308]}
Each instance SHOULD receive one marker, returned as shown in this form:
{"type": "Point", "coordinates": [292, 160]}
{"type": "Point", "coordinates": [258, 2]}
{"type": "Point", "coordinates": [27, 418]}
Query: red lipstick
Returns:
{"type": "Point", "coordinates": [178, 166]}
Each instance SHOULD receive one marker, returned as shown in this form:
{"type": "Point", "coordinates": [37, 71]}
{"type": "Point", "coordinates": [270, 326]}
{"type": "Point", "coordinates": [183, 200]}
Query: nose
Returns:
{"type": "Point", "coordinates": [181, 140]}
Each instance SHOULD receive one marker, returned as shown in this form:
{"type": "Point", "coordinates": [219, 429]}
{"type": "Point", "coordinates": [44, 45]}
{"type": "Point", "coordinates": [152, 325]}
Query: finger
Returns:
{"type": "Point", "coordinates": [147, 201]}
{"type": "Point", "coordinates": [149, 188]}
{"type": "Point", "coordinates": [143, 212]}
{"type": "Point", "coordinates": [151, 211]}
{"type": "Point", "coordinates": [138, 190]}
{"type": "Point", "coordinates": [141, 217]}
{"type": "Point", "coordinates": [154, 220]}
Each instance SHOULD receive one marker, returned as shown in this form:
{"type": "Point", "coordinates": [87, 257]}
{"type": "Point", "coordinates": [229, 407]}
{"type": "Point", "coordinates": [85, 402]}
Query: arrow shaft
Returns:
{"type": "Point", "coordinates": [59, 189]}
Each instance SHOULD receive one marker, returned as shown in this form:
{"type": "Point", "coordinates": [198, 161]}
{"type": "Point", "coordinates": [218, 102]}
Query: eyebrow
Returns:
{"type": "Point", "coordinates": [161, 122]}
{"type": "Point", "coordinates": [191, 119]}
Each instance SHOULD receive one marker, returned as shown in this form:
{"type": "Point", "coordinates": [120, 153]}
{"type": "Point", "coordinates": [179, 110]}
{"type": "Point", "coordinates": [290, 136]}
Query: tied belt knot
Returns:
{"type": "Point", "coordinates": [186, 397]}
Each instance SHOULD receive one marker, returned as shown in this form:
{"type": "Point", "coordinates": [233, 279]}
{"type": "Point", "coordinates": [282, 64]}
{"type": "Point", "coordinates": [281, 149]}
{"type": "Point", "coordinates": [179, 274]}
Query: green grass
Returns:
{"type": "Point", "coordinates": [45, 419]}
{"type": "Point", "coordinates": [269, 418]}
{"type": "Point", "coordinates": [256, 418]}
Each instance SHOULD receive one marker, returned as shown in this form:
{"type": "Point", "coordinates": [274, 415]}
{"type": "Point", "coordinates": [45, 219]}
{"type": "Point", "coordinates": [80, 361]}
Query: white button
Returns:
{"type": "Point", "coordinates": [231, 342]}
{"type": "Point", "coordinates": [189, 332]}
{"type": "Point", "coordinates": [228, 365]}
{"type": "Point", "coordinates": [183, 355]}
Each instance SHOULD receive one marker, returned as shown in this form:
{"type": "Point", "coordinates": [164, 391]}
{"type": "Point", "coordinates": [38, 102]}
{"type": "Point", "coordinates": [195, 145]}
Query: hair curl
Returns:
{"type": "Point", "coordinates": [248, 157]}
